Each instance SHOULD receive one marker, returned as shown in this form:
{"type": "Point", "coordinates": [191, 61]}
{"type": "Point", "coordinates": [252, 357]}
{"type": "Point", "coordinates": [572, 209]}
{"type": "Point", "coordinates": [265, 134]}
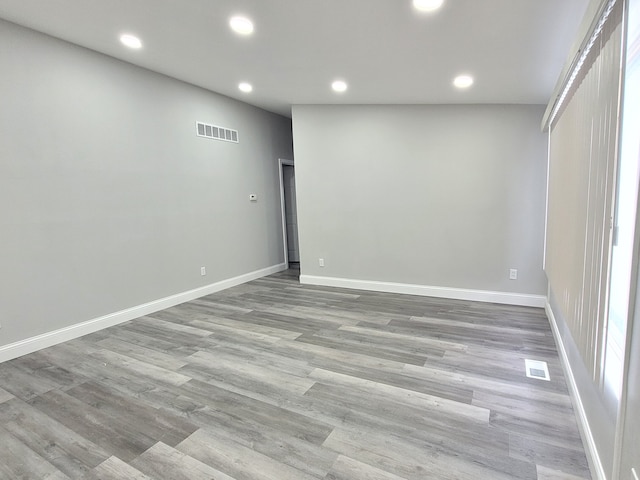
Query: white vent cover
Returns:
{"type": "Point", "coordinates": [537, 369]}
{"type": "Point", "coordinates": [216, 132]}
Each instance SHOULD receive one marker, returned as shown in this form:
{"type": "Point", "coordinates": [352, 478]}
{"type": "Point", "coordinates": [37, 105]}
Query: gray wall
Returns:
{"type": "Point", "coordinates": [448, 196]}
{"type": "Point", "coordinates": [108, 199]}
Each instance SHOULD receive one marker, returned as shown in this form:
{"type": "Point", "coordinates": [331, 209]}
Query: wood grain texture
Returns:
{"type": "Point", "coordinates": [70, 452]}
{"type": "Point", "coordinates": [115, 469]}
{"type": "Point", "coordinates": [276, 380]}
{"type": "Point", "coordinates": [162, 461]}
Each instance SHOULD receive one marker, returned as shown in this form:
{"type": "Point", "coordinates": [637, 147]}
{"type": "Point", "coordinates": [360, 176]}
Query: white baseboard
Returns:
{"type": "Point", "coordinates": [506, 298]}
{"type": "Point", "coordinates": [597, 470]}
{"type": "Point", "coordinates": [29, 345]}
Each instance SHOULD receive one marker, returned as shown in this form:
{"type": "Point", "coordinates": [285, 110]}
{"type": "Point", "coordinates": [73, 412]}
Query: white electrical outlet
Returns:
{"type": "Point", "coordinates": [321, 262]}
{"type": "Point", "coordinates": [203, 271]}
{"type": "Point", "coordinates": [513, 274]}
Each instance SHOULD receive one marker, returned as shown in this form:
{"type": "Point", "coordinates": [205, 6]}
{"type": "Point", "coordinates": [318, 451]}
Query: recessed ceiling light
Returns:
{"type": "Point", "coordinates": [245, 87]}
{"type": "Point", "coordinates": [427, 5]}
{"type": "Point", "coordinates": [241, 25]}
{"type": "Point", "coordinates": [339, 86]}
{"type": "Point", "coordinates": [131, 41]}
{"type": "Point", "coordinates": [463, 81]}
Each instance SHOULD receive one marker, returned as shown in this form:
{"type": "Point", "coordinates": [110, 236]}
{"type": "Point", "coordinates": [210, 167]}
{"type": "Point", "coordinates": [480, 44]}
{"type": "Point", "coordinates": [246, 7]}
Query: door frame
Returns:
{"type": "Point", "coordinates": [282, 162]}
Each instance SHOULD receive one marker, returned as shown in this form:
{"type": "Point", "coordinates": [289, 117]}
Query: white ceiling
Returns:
{"type": "Point", "coordinates": [384, 49]}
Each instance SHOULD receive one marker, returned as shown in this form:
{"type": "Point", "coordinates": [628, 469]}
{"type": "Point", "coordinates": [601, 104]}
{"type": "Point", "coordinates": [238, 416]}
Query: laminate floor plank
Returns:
{"type": "Point", "coordinates": [152, 422]}
{"type": "Point", "coordinates": [159, 397]}
{"type": "Point", "coordinates": [128, 364]}
{"type": "Point", "coordinates": [19, 462]}
{"type": "Point", "coordinates": [5, 396]}
{"type": "Point", "coordinates": [392, 343]}
{"type": "Point", "coordinates": [336, 314]}
{"type": "Point", "coordinates": [295, 424]}
{"type": "Point", "coordinates": [287, 298]}
{"type": "Point", "coordinates": [262, 367]}
{"type": "Point", "coordinates": [175, 327]}
{"type": "Point", "coordinates": [287, 321]}
{"type": "Point", "coordinates": [21, 383]}
{"type": "Point", "coordinates": [238, 290]}
{"type": "Point", "coordinates": [416, 461]}
{"type": "Point", "coordinates": [478, 443]}
{"type": "Point", "coordinates": [201, 309]}
{"type": "Point", "coordinates": [112, 434]}
{"type": "Point", "coordinates": [325, 294]}
{"type": "Point", "coordinates": [545, 473]}
{"type": "Point", "coordinates": [167, 337]}
{"type": "Point", "coordinates": [281, 381]}
{"type": "Point", "coordinates": [480, 381]}
{"type": "Point", "coordinates": [406, 340]}
{"type": "Point", "coordinates": [468, 334]}
{"type": "Point", "coordinates": [44, 372]}
{"type": "Point", "coordinates": [430, 404]}
{"type": "Point", "coordinates": [551, 415]}
{"type": "Point", "coordinates": [453, 390]}
{"type": "Point", "coordinates": [292, 382]}
{"type": "Point", "coordinates": [240, 302]}
{"type": "Point", "coordinates": [115, 469]}
{"type": "Point", "coordinates": [536, 428]}
{"type": "Point", "coordinates": [268, 438]}
{"type": "Point", "coordinates": [261, 357]}
{"type": "Point", "coordinates": [236, 460]}
{"type": "Point", "coordinates": [212, 322]}
{"type": "Point", "coordinates": [253, 386]}
{"type": "Point", "coordinates": [320, 356]}
{"type": "Point", "coordinates": [546, 455]}
{"type": "Point", "coordinates": [359, 347]}
{"type": "Point", "coordinates": [498, 365]}
{"type": "Point", "coordinates": [346, 468]}
{"type": "Point", "coordinates": [163, 462]}
{"type": "Point", "coordinates": [320, 316]}
{"type": "Point", "coordinates": [153, 357]}
{"type": "Point", "coordinates": [223, 333]}
{"type": "Point", "coordinates": [71, 453]}
{"type": "Point", "coordinates": [146, 340]}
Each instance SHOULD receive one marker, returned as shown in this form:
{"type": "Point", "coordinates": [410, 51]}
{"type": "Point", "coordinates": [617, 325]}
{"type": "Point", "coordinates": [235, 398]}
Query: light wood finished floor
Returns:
{"type": "Point", "coordinates": [272, 380]}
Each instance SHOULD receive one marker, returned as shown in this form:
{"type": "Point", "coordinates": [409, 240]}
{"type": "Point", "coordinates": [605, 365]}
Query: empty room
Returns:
{"type": "Point", "coordinates": [319, 239]}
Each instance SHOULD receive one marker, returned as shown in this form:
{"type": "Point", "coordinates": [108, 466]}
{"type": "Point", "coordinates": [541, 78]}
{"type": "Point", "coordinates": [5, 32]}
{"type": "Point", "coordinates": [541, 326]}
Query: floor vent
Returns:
{"type": "Point", "coordinates": [537, 369]}
{"type": "Point", "coordinates": [216, 132]}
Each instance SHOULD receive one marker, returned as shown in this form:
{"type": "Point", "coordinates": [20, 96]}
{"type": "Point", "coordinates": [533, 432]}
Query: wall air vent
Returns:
{"type": "Point", "coordinates": [216, 132]}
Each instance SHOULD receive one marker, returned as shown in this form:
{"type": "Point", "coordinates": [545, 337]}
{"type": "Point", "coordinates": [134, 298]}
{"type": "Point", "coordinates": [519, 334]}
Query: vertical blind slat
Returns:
{"type": "Point", "coordinates": [582, 160]}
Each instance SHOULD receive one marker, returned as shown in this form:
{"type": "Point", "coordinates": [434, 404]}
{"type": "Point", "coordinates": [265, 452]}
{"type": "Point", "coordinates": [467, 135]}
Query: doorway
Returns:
{"type": "Point", "coordinates": [289, 213]}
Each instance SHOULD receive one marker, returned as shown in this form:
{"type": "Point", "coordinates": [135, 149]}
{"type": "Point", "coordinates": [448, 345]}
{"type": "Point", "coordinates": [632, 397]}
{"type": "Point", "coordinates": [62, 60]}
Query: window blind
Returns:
{"type": "Point", "coordinates": [581, 187]}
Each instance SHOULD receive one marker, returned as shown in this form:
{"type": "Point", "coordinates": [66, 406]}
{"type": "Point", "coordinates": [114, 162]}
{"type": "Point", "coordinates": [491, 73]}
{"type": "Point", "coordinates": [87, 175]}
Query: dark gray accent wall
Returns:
{"type": "Point", "coordinates": [108, 199]}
